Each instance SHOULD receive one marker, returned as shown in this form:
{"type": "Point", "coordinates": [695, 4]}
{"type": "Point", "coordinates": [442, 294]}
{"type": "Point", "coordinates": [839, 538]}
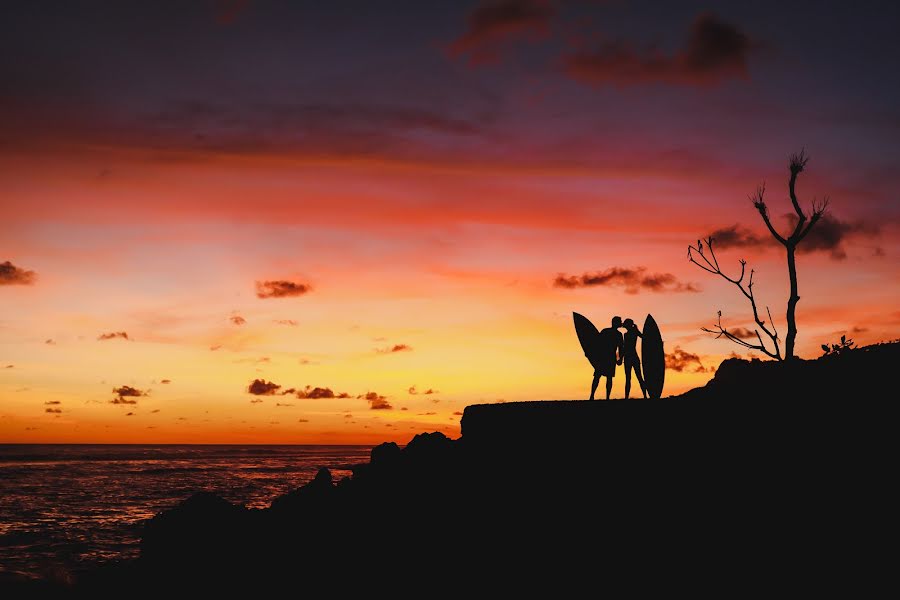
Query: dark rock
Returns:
{"type": "Point", "coordinates": [781, 460]}
{"type": "Point", "coordinates": [428, 445]}
{"type": "Point", "coordinates": [203, 525]}
{"type": "Point", "coordinates": [385, 453]}
{"type": "Point", "coordinates": [316, 492]}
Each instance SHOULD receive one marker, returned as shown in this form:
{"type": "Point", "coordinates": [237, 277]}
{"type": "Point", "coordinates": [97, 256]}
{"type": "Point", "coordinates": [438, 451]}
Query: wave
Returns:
{"type": "Point", "coordinates": [230, 467]}
{"type": "Point", "coordinates": [11, 454]}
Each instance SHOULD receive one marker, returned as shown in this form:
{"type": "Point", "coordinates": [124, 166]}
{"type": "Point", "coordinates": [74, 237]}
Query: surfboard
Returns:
{"type": "Point", "coordinates": [653, 358]}
{"type": "Point", "coordinates": [588, 336]}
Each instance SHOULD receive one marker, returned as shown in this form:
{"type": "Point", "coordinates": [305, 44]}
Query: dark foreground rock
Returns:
{"type": "Point", "coordinates": [771, 472]}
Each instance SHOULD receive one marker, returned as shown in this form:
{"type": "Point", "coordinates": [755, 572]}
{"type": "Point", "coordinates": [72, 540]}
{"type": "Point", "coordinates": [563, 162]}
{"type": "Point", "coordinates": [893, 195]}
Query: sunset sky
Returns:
{"type": "Point", "coordinates": [342, 222]}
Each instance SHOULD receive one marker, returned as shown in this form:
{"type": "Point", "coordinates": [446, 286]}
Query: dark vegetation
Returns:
{"type": "Point", "coordinates": [845, 345]}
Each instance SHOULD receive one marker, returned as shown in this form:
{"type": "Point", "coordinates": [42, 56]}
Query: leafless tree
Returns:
{"type": "Point", "coordinates": [804, 224]}
{"type": "Point", "coordinates": [711, 264]}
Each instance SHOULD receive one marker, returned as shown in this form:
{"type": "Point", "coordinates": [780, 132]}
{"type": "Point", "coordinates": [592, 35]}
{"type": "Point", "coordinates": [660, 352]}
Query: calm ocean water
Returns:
{"type": "Point", "coordinates": [67, 507]}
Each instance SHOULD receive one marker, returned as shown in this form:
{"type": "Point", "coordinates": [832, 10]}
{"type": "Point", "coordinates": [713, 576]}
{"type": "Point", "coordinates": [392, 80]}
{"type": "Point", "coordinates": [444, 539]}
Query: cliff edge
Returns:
{"type": "Point", "coordinates": [771, 462]}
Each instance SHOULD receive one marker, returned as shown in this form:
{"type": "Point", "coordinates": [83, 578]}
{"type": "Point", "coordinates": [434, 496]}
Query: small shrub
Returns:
{"type": "Point", "coordinates": [837, 349]}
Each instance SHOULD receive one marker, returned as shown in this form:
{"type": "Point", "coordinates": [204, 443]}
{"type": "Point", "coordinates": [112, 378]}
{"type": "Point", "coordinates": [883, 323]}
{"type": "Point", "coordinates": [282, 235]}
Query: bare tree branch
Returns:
{"type": "Point", "coordinates": [797, 163]}
{"type": "Point", "coordinates": [712, 266]}
{"type": "Point", "coordinates": [772, 321]}
{"type": "Point", "coordinates": [818, 211]}
{"type": "Point", "coordinates": [758, 199]}
{"type": "Point", "coordinates": [721, 331]}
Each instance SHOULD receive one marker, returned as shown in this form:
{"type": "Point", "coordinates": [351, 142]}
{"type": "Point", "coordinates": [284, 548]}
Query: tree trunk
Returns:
{"type": "Point", "coordinates": [792, 304]}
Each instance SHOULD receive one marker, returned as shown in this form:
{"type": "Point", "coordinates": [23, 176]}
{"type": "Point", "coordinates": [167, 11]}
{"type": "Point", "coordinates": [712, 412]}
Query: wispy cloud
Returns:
{"type": "Point", "coordinates": [281, 288]}
{"type": "Point", "coordinates": [714, 52]}
{"type": "Point", "coordinates": [127, 390]}
{"type": "Point", "coordinates": [228, 11]}
{"type": "Point", "coordinates": [496, 23]}
{"type": "Point", "coordinates": [314, 393]}
{"type": "Point", "coordinates": [413, 391]}
{"type": "Point", "coordinates": [394, 348]}
{"type": "Point", "coordinates": [113, 335]}
{"type": "Point", "coordinates": [376, 401]}
{"type": "Point", "coordinates": [633, 280]}
{"type": "Point", "coordinates": [125, 395]}
{"type": "Point", "coordinates": [738, 236]}
{"type": "Point", "coordinates": [261, 387]}
{"type": "Point", "coordinates": [829, 235]}
{"type": "Point", "coordinates": [680, 360]}
{"type": "Point", "coordinates": [742, 333]}
{"type": "Point", "coordinates": [10, 274]}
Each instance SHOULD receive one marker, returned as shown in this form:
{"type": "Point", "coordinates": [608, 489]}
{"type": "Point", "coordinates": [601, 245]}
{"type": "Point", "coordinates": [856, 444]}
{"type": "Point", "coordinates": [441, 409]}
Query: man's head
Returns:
{"type": "Point", "coordinates": [628, 324]}
{"type": "Point", "coordinates": [616, 322]}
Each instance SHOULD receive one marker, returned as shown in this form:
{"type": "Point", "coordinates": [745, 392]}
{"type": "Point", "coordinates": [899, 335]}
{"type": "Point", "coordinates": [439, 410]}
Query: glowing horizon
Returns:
{"type": "Point", "coordinates": [393, 216]}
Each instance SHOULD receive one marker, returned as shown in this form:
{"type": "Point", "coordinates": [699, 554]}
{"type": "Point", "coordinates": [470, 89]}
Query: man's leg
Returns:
{"type": "Point", "coordinates": [594, 385]}
{"type": "Point", "coordinates": [608, 386]}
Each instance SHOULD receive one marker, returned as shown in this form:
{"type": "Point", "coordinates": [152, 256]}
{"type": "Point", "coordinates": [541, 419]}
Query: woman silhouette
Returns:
{"type": "Point", "coordinates": [632, 333]}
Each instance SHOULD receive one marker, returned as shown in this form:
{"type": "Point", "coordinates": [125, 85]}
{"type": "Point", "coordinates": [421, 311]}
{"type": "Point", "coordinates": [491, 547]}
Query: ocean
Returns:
{"type": "Point", "coordinates": [68, 507]}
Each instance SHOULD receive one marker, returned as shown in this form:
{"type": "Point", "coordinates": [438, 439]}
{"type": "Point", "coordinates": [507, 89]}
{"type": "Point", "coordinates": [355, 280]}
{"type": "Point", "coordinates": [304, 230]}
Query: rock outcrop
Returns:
{"type": "Point", "coordinates": [766, 463]}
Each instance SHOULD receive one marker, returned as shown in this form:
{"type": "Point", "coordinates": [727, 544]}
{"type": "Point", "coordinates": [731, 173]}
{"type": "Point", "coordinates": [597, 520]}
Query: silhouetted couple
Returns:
{"type": "Point", "coordinates": [614, 349]}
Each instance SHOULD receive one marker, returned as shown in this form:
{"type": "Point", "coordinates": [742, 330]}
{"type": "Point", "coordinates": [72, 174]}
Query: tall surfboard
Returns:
{"type": "Point", "coordinates": [653, 358]}
{"type": "Point", "coordinates": [589, 338]}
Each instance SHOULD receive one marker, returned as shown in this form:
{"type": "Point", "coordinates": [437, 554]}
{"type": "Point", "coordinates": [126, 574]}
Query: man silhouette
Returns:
{"type": "Point", "coordinates": [632, 333]}
{"type": "Point", "coordinates": [610, 346]}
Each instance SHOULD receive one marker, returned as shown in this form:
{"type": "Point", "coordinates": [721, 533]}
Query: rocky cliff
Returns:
{"type": "Point", "coordinates": [767, 463]}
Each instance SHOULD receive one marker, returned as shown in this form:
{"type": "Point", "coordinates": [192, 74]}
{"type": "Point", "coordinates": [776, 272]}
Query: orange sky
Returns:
{"type": "Point", "coordinates": [169, 252]}
{"type": "Point", "coordinates": [426, 201]}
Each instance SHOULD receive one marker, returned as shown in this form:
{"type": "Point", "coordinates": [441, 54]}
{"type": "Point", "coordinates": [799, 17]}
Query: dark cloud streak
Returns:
{"type": "Point", "coordinates": [742, 333]}
{"type": "Point", "coordinates": [10, 274]}
{"type": "Point", "coordinates": [633, 280]}
{"type": "Point", "coordinates": [281, 288]}
{"type": "Point", "coordinates": [680, 359]}
{"type": "Point", "coordinates": [394, 349]}
{"type": "Point", "coordinates": [377, 401]}
{"type": "Point", "coordinates": [316, 393]}
{"type": "Point", "coordinates": [261, 387]}
{"type": "Point", "coordinates": [714, 51]}
{"type": "Point", "coordinates": [829, 235]}
{"type": "Point", "coordinates": [228, 11]}
{"type": "Point", "coordinates": [495, 23]}
{"type": "Point", "coordinates": [113, 335]}
{"type": "Point", "coordinates": [127, 390]}
{"type": "Point", "coordinates": [737, 236]}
